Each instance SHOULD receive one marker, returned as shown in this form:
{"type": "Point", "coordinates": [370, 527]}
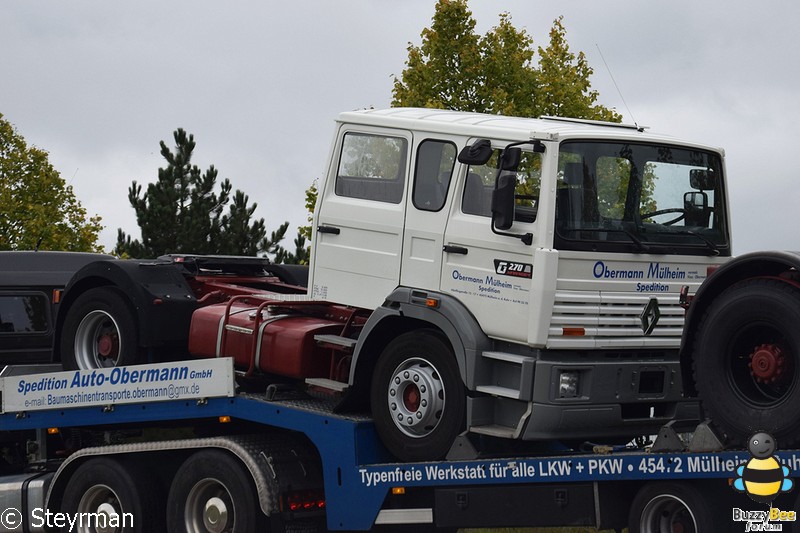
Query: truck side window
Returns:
{"type": "Point", "coordinates": [23, 314]}
{"type": "Point", "coordinates": [372, 167]}
{"type": "Point", "coordinates": [480, 182]}
{"type": "Point", "coordinates": [435, 160]}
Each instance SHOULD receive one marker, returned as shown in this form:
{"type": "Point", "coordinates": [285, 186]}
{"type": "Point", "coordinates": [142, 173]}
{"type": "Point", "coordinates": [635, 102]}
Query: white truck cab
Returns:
{"type": "Point", "coordinates": [544, 257]}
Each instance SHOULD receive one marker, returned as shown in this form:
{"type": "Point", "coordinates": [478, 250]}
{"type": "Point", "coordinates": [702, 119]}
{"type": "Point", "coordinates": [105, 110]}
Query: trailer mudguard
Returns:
{"type": "Point", "coordinates": [157, 291]}
{"type": "Point", "coordinates": [276, 461]}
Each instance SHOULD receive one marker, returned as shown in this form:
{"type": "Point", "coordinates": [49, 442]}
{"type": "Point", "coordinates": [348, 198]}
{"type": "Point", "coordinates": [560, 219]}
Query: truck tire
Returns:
{"type": "Point", "coordinates": [746, 360]}
{"type": "Point", "coordinates": [669, 507]}
{"type": "Point", "coordinates": [212, 492]}
{"type": "Point", "coordinates": [106, 486]}
{"type": "Point", "coordinates": [418, 400]}
{"type": "Point", "coordinates": [99, 332]}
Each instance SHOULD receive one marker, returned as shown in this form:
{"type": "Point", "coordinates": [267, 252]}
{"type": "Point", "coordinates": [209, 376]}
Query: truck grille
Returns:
{"type": "Point", "coordinates": [613, 320]}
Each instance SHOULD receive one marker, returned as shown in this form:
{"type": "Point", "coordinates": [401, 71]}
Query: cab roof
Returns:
{"type": "Point", "coordinates": [504, 127]}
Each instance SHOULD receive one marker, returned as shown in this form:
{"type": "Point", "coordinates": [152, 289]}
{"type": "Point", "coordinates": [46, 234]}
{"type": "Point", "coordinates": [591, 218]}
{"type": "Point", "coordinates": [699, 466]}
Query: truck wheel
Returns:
{"type": "Point", "coordinates": [128, 498]}
{"type": "Point", "coordinates": [670, 507]}
{"type": "Point", "coordinates": [99, 332]}
{"type": "Point", "coordinates": [418, 399]}
{"type": "Point", "coordinates": [213, 493]}
{"type": "Point", "coordinates": [746, 362]}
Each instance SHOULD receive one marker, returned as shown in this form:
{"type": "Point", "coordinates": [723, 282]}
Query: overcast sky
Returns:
{"type": "Point", "coordinates": [98, 84]}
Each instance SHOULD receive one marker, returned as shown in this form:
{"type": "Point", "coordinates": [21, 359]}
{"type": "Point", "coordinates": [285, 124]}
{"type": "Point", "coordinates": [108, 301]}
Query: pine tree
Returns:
{"type": "Point", "coordinates": [183, 212]}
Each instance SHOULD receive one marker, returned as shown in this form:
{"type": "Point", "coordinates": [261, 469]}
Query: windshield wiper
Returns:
{"type": "Point", "coordinates": [709, 244]}
{"type": "Point", "coordinates": [640, 246]}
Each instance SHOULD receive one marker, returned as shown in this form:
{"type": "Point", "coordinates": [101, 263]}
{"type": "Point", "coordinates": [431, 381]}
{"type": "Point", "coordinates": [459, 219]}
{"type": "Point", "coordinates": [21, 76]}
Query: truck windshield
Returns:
{"type": "Point", "coordinates": [626, 196]}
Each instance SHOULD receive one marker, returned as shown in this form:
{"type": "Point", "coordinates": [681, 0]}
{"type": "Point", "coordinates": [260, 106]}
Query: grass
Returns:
{"type": "Point", "coordinates": [538, 530]}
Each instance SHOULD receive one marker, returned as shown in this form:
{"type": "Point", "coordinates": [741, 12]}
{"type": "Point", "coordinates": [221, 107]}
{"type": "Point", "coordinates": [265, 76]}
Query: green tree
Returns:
{"type": "Point", "coordinates": [311, 201]}
{"type": "Point", "coordinates": [445, 72]}
{"type": "Point", "coordinates": [38, 210]}
{"type": "Point", "coordinates": [454, 68]}
{"type": "Point", "coordinates": [301, 254]}
{"type": "Point", "coordinates": [509, 79]}
{"type": "Point", "coordinates": [182, 212]}
{"type": "Point", "coordinates": [563, 87]}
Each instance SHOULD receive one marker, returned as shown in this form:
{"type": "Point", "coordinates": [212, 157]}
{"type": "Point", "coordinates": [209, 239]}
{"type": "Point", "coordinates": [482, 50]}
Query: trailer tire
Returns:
{"type": "Point", "coordinates": [746, 360]}
{"type": "Point", "coordinates": [99, 332]}
{"type": "Point", "coordinates": [659, 507]}
{"type": "Point", "coordinates": [213, 492]}
{"type": "Point", "coordinates": [418, 369]}
{"type": "Point", "coordinates": [105, 485]}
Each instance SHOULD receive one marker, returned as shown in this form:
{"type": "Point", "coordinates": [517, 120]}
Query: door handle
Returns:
{"type": "Point", "coordinates": [450, 249]}
{"type": "Point", "coordinates": [328, 229]}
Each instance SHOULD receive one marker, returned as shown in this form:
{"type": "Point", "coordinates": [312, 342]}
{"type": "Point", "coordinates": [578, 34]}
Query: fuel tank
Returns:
{"type": "Point", "coordinates": [281, 343]}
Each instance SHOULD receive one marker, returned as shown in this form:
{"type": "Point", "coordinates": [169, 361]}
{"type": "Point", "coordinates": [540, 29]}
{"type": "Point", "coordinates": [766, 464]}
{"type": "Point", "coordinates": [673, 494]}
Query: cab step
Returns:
{"type": "Point", "coordinates": [336, 342]}
{"type": "Point", "coordinates": [495, 430]}
{"type": "Point", "coordinates": [326, 387]}
{"type": "Point", "coordinates": [508, 375]}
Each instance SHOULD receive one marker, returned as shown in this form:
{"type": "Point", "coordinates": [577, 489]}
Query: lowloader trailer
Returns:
{"type": "Point", "coordinates": [180, 447]}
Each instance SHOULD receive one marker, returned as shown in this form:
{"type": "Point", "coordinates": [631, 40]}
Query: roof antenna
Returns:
{"type": "Point", "coordinates": [628, 109]}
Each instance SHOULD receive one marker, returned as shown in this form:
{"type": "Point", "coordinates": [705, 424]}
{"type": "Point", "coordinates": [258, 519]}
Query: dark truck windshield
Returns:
{"type": "Point", "coordinates": [643, 198]}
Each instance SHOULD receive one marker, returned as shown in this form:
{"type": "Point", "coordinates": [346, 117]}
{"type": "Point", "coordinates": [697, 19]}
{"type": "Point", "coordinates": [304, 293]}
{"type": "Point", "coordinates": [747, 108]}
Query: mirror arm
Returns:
{"type": "Point", "coordinates": [526, 238]}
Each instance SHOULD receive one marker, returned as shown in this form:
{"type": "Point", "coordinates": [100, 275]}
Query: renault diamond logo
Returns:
{"type": "Point", "coordinates": [650, 316]}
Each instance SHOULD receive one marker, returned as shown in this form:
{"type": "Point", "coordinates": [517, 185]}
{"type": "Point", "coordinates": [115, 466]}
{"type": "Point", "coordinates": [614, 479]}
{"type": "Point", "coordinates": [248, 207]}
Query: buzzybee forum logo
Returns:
{"type": "Point", "coordinates": [762, 477]}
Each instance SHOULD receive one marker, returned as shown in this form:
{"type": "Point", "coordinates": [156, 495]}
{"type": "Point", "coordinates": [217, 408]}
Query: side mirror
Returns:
{"type": "Point", "coordinates": [702, 179]}
{"type": "Point", "coordinates": [695, 200]}
{"type": "Point", "coordinates": [477, 153]}
{"type": "Point", "coordinates": [503, 202]}
{"type": "Point", "coordinates": [509, 159]}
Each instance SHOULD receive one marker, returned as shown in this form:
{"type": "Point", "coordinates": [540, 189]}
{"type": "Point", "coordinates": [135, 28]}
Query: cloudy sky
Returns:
{"type": "Point", "coordinates": [98, 84]}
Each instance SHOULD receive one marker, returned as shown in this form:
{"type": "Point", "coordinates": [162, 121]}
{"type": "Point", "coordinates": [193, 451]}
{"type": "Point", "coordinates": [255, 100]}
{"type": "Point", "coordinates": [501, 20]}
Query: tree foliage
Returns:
{"type": "Point", "coordinates": [185, 212]}
{"type": "Point", "coordinates": [311, 201]}
{"type": "Point", "coordinates": [563, 88]}
{"type": "Point", "coordinates": [38, 210]}
{"type": "Point", "coordinates": [455, 68]}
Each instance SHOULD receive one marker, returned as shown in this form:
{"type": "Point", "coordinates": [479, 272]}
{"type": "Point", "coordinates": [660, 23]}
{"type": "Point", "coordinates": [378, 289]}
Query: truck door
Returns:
{"type": "Point", "coordinates": [359, 226]}
{"type": "Point", "coordinates": [426, 214]}
{"type": "Point", "coordinates": [492, 273]}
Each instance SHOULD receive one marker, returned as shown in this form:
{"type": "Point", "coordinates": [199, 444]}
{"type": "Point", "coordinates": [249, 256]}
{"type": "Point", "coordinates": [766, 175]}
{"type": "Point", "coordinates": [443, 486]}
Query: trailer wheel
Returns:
{"type": "Point", "coordinates": [418, 399]}
{"type": "Point", "coordinates": [128, 498]}
{"type": "Point", "coordinates": [670, 507]}
{"type": "Point", "coordinates": [747, 360]}
{"type": "Point", "coordinates": [213, 493]}
{"type": "Point", "coordinates": [99, 332]}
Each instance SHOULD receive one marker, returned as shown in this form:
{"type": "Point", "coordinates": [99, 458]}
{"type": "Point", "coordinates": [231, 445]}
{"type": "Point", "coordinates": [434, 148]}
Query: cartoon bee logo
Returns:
{"type": "Point", "coordinates": [762, 477]}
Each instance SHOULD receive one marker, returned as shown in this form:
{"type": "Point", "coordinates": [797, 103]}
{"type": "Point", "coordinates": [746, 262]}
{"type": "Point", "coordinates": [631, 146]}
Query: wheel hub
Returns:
{"type": "Point", "coordinates": [106, 345]}
{"type": "Point", "coordinates": [215, 515]}
{"type": "Point", "coordinates": [767, 363]}
{"type": "Point", "coordinates": [209, 508]}
{"type": "Point", "coordinates": [416, 397]}
{"type": "Point", "coordinates": [104, 504]}
{"type": "Point", "coordinates": [105, 512]}
{"type": "Point", "coordinates": [412, 398]}
{"type": "Point", "coordinates": [668, 514]}
{"type": "Point", "coordinates": [97, 341]}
